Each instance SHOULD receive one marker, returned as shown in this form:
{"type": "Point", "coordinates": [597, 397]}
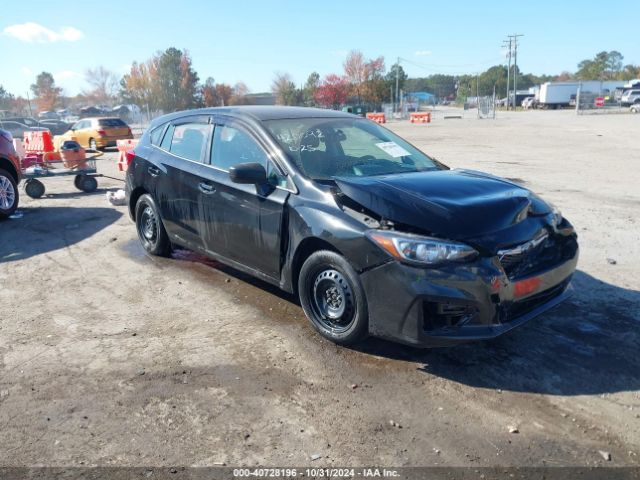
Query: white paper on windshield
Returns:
{"type": "Point", "coordinates": [393, 149]}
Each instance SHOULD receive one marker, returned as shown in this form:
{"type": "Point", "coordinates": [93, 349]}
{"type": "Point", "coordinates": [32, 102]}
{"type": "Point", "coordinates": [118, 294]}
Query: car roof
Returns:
{"type": "Point", "coordinates": [260, 113]}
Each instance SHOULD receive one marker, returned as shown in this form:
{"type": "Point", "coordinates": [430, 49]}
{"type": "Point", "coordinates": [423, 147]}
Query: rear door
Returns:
{"type": "Point", "coordinates": [248, 219]}
{"type": "Point", "coordinates": [180, 172]}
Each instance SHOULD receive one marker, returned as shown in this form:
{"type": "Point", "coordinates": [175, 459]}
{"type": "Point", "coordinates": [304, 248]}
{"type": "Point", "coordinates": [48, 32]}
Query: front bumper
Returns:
{"type": "Point", "coordinates": [427, 307]}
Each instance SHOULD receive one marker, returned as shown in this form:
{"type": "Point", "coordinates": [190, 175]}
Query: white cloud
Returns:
{"type": "Point", "coordinates": [422, 53]}
{"type": "Point", "coordinates": [67, 75]}
{"type": "Point", "coordinates": [31, 32]}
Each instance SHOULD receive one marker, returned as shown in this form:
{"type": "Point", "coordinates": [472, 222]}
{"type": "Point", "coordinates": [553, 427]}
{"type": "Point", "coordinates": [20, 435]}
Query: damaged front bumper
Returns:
{"type": "Point", "coordinates": [435, 307]}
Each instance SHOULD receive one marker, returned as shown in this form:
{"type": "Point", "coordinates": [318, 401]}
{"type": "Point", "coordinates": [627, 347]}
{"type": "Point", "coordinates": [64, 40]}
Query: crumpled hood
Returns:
{"type": "Point", "coordinates": [454, 204]}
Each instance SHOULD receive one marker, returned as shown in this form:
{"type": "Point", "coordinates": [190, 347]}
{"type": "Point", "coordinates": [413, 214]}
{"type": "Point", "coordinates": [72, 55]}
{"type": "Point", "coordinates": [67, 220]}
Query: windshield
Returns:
{"type": "Point", "coordinates": [324, 148]}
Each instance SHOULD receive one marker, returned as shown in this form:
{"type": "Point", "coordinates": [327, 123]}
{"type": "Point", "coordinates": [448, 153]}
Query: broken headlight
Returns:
{"type": "Point", "coordinates": [421, 250]}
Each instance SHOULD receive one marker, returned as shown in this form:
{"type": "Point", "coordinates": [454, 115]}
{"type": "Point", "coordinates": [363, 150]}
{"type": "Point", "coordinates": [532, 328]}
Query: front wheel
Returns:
{"type": "Point", "coordinates": [333, 298]}
{"type": "Point", "coordinates": [8, 194]}
{"type": "Point", "coordinates": [151, 232]}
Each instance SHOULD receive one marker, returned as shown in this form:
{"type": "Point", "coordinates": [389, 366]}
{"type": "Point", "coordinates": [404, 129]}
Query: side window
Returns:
{"type": "Point", "coordinates": [190, 140]}
{"type": "Point", "coordinates": [166, 140]}
{"type": "Point", "coordinates": [156, 135]}
{"type": "Point", "coordinates": [232, 146]}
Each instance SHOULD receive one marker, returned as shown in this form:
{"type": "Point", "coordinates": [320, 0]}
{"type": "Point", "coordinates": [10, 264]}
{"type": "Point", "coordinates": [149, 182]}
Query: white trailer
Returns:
{"type": "Point", "coordinates": [563, 94]}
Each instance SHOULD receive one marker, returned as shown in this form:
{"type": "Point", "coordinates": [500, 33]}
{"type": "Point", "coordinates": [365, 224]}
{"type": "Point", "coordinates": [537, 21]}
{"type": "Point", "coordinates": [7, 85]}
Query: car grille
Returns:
{"type": "Point", "coordinates": [518, 309]}
{"type": "Point", "coordinates": [538, 255]}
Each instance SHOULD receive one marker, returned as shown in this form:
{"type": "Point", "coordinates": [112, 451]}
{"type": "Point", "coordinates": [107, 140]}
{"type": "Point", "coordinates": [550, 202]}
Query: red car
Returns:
{"type": "Point", "coordinates": [9, 175]}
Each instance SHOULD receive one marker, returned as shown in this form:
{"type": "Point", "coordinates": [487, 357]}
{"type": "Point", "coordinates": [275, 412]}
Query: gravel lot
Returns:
{"type": "Point", "coordinates": [109, 357]}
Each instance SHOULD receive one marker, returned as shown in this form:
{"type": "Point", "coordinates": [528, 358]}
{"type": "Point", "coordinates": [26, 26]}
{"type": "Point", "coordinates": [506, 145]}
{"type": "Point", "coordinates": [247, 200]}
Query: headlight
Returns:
{"type": "Point", "coordinates": [421, 250]}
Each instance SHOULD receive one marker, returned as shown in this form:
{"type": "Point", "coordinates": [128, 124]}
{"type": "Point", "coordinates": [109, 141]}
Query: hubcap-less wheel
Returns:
{"type": "Point", "coordinates": [333, 300]}
{"type": "Point", "coordinates": [148, 225]}
{"type": "Point", "coordinates": [7, 193]}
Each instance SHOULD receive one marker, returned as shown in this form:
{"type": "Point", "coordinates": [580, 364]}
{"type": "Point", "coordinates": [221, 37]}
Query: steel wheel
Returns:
{"type": "Point", "coordinates": [333, 300]}
{"type": "Point", "coordinates": [148, 225]}
{"type": "Point", "coordinates": [7, 193]}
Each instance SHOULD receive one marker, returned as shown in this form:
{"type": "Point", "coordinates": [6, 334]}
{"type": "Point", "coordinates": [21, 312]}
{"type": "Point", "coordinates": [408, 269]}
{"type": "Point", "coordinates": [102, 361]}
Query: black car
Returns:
{"type": "Point", "coordinates": [374, 236]}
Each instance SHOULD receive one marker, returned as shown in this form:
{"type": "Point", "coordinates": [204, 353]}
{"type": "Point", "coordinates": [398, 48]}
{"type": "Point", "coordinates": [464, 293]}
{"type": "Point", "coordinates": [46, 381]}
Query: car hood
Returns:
{"type": "Point", "coordinates": [479, 208]}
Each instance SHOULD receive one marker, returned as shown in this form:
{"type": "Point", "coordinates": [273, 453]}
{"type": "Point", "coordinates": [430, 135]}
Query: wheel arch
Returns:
{"type": "Point", "coordinates": [304, 250]}
{"type": "Point", "coordinates": [135, 194]}
{"type": "Point", "coordinates": [6, 164]}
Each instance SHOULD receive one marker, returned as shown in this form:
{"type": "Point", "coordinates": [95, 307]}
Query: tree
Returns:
{"type": "Point", "coordinates": [604, 66]}
{"type": "Point", "coordinates": [239, 94]}
{"type": "Point", "coordinates": [355, 72]}
{"type": "Point", "coordinates": [176, 81]}
{"type": "Point", "coordinates": [309, 90]}
{"type": "Point", "coordinates": [103, 83]}
{"type": "Point", "coordinates": [210, 97]}
{"type": "Point", "coordinates": [45, 92]}
{"type": "Point", "coordinates": [285, 90]}
{"type": "Point", "coordinates": [6, 99]}
{"type": "Point", "coordinates": [374, 88]}
{"type": "Point", "coordinates": [391, 78]}
{"type": "Point", "coordinates": [139, 86]}
{"type": "Point", "coordinates": [333, 91]}
{"type": "Point", "coordinates": [224, 93]}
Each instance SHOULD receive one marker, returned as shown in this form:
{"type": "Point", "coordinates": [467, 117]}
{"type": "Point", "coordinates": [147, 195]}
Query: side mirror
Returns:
{"type": "Point", "coordinates": [250, 173]}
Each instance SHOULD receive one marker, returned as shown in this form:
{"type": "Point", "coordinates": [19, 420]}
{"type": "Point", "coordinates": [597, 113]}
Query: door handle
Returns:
{"type": "Point", "coordinates": [206, 188]}
{"type": "Point", "coordinates": [153, 171]}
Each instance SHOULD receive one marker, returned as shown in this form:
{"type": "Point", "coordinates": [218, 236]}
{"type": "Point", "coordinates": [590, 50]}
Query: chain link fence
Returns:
{"type": "Point", "coordinates": [598, 100]}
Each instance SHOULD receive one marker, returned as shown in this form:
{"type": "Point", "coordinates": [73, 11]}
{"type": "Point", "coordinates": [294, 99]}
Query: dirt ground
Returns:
{"type": "Point", "coordinates": [109, 357]}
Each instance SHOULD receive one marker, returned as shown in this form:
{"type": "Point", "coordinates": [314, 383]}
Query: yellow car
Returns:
{"type": "Point", "coordinates": [98, 133]}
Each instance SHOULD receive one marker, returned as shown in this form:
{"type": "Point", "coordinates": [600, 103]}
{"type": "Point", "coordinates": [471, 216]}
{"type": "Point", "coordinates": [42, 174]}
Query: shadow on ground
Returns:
{"type": "Point", "coordinates": [44, 229]}
{"type": "Point", "coordinates": [587, 345]}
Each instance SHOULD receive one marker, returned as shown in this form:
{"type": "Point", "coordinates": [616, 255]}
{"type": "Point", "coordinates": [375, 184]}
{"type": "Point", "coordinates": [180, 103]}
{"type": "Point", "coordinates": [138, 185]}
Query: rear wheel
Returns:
{"type": "Point", "coordinates": [34, 188]}
{"type": "Point", "coordinates": [333, 298]}
{"type": "Point", "coordinates": [8, 194]}
{"type": "Point", "coordinates": [86, 183]}
{"type": "Point", "coordinates": [151, 232]}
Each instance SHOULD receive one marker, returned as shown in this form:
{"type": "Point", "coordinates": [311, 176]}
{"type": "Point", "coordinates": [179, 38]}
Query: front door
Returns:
{"type": "Point", "coordinates": [249, 218]}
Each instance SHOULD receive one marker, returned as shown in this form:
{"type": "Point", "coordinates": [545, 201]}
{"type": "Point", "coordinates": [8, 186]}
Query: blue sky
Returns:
{"type": "Point", "coordinates": [251, 40]}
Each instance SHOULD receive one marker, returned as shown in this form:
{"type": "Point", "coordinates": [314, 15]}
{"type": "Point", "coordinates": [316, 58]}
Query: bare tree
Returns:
{"type": "Point", "coordinates": [103, 83]}
{"type": "Point", "coordinates": [355, 70]}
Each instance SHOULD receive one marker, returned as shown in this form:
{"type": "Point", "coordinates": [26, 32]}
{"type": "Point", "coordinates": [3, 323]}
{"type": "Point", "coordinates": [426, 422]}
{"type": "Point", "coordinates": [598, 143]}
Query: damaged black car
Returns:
{"type": "Point", "coordinates": [373, 236]}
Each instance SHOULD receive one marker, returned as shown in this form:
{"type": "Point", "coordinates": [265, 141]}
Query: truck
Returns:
{"type": "Point", "coordinates": [563, 94]}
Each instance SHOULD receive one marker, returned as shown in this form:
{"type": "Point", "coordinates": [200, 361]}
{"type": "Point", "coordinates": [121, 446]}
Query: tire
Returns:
{"type": "Point", "coordinates": [9, 196]}
{"type": "Point", "coordinates": [92, 144]}
{"type": "Point", "coordinates": [34, 188]}
{"type": "Point", "coordinates": [151, 232]}
{"type": "Point", "coordinates": [333, 298]}
{"type": "Point", "coordinates": [86, 183]}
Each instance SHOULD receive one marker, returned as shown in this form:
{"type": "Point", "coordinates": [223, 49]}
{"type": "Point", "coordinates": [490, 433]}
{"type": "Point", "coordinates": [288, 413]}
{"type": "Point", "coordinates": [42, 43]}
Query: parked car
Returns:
{"type": "Point", "coordinates": [374, 236]}
{"type": "Point", "coordinates": [48, 115]}
{"type": "Point", "coordinates": [528, 103]}
{"type": "Point", "coordinates": [17, 129]}
{"type": "Point", "coordinates": [57, 127]}
{"type": "Point", "coordinates": [99, 133]}
{"type": "Point", "coordinates": [635, 108]}
{"type": "Point", "coordinates": [630, 97]}
{"type": "Point", "coordinates": [28, 121]}
{"type": "Point", "coordinates": [9, 175]}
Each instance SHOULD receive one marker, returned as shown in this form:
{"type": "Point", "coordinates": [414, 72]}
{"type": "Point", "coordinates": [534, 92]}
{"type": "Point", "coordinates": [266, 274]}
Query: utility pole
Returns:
{"type": "Point", "coordinates": [397, 79]}
{"type": "Point", "coordinates": [505, 43]}
{"type": "Point", "coordinates": [515, 65]}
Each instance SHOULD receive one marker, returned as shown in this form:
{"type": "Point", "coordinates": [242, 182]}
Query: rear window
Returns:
{"type": "Point", "coordinates": [189, 140]}
{"type": "Point", "coordinates": [155, 136]}
{"type": "Point", "coordinates": [111, 122]}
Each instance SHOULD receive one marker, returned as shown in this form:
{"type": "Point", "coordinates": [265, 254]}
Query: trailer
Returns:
{"type": "Point", "coordinates": [563, 94]}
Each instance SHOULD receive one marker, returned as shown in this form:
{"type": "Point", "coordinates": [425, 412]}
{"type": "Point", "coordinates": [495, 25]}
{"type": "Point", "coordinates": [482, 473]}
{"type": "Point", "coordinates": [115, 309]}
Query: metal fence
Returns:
{"type": "Point", "coordinates": [487, 107]}
{"type": "Point", "coordinates": [598, 102]}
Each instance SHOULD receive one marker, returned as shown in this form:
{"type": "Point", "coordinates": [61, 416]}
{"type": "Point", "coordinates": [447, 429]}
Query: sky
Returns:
{"type": "Point", "coordinates": [251, 40]}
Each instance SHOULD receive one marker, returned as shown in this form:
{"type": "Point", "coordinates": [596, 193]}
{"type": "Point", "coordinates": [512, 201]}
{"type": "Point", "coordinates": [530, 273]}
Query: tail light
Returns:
{"type": "Point", "coordinates": [102, 133]}
{"type": "Point", "coordinates": [130, 155]}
